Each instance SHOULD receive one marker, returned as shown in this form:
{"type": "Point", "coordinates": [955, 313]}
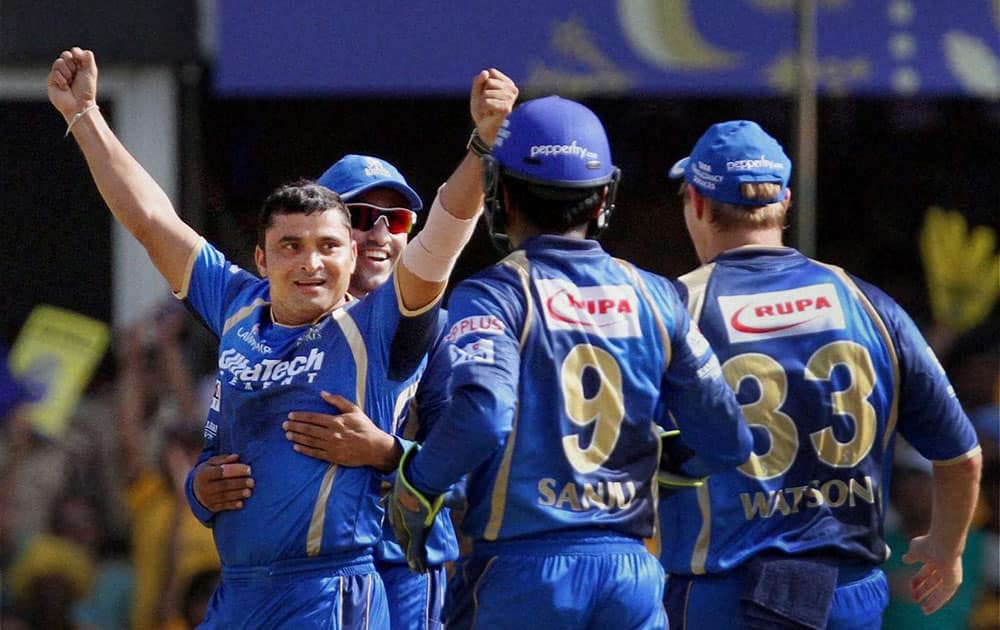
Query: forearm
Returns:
{"type": "Point", "coordinates": [479, 430]}
{"type": "Point", "coordinates": [135, 199]}
{"type": "Point", "coordinates": [955, 492]}
{"type": "Point", "coordinates": [462, 194]}
{"type": "Point", "coordinates": [428, 259]}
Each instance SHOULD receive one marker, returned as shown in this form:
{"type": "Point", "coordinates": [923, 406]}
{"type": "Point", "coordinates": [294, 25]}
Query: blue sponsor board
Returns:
{"type": "Point", "coordinates": [605, 47]}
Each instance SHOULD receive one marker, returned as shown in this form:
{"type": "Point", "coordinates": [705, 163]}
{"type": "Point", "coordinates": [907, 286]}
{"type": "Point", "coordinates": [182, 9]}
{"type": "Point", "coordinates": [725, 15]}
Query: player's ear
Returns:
{"type": "Point", "coordinates": [261, 260]}
{"type": "Point", "coordinates": [600, 204]}
{"type": "Point", "coordinates": [697, 202]}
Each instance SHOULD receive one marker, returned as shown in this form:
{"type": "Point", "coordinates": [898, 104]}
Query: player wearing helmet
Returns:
{"type": "Point", "coordinates": [563, 362]}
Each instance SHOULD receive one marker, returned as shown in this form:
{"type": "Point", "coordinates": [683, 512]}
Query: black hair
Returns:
{"type": "Point", "coordinates": [553, 209]}
{"type": "Point", "coordinates": [302, 196]}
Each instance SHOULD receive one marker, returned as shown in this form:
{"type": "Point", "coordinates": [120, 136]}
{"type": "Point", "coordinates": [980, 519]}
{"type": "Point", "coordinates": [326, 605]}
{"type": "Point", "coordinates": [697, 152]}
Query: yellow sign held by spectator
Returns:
{"type": "Point", "coordinates": [55, 356]}
{"type": "Point", "coordinates": [962, 267]}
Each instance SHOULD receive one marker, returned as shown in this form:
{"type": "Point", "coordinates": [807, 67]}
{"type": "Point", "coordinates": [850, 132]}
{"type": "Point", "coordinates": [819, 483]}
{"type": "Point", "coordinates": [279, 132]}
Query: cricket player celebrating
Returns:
{"type": "Point", "coordinates": [294, 533]}
{"type": "Point", "coordinates": [564, 362]}
{"type": "Point", "coordinates": [827, 369]}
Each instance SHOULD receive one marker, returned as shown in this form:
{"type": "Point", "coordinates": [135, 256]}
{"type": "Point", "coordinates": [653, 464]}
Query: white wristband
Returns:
{"type": "Point", "coordinates": [432, 253]}
{"type": "Point", "coordinates": [77, 116]}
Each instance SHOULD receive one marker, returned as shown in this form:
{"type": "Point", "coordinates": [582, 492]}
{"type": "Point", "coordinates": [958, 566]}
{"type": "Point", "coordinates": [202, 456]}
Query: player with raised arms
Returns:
{"type": "Point", "coordinates": [294, 533]}
{"type": "Point", "coordinates": [565, 364]}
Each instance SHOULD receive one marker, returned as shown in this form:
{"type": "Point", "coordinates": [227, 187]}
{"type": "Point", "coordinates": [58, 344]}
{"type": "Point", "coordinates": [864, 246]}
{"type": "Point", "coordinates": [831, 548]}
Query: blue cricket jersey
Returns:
{"type": "Point", "coordinates": [563, 360]}
{"type": "Point", "coordinates": [827, 369]}
{"type": "Point", "coordinates": [422, 399]}
{"type": "Point", "coordinates": [365, 351]}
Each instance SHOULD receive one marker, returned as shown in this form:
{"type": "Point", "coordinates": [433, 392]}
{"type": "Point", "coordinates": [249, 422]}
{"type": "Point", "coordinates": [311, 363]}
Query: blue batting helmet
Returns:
{"type": "Point", "coordinates": [552, 142]}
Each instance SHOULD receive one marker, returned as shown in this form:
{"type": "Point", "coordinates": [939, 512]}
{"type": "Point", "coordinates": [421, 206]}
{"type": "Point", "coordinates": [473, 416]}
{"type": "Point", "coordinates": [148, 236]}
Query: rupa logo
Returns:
{"type": "Point", "coordinates": [782, 313]}
{"type": "Point", "coordinates": [376, 168]}
{"type": "Point", "coordinates": [606, 310]}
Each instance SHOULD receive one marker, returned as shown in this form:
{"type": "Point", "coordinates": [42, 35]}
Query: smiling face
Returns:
{"type": "Point", "coordinates": [308, 259]}
{"type": "Point", "coordinates": [378, 248]}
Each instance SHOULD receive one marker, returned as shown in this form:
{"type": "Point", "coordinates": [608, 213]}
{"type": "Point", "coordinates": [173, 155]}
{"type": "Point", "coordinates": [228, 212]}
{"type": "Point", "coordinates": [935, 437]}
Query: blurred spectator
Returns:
{"type": "Point", "coordinates": [169, 545]}
{"type": "Point", "coordinates": [57, 567]}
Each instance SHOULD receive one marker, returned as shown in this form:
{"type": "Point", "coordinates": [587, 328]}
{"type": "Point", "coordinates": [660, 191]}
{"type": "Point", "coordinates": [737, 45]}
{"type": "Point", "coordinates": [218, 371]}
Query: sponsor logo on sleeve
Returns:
{"type": "Point", "coordinates": [696, 341]}
{"type": "Point", "coordinates": [481, 324]}
{"type": "Point", "coordinates": [606, 310]}
{"type": "Point", "coordinates": [785, 313]}
{"type": "Point", "coordinates": [216, 395]}
{"type": "Point", "coordinates": [480, 351]}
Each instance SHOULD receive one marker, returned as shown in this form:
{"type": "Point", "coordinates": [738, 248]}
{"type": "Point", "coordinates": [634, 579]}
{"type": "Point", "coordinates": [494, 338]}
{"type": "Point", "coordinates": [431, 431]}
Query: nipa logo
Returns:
{"type": "Point", "coordinates": [607, 310]}
{"type": "Point", "coordinates": [782, 313]}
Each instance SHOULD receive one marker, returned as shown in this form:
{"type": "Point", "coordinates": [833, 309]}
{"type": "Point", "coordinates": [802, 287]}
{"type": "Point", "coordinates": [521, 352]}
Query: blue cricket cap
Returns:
{"type": "Point", "coordinates": [733, 153]}
{"type": "Point", "coordinates": [352, 175]}
{"type": "Point", "coordinates": [554, 141]}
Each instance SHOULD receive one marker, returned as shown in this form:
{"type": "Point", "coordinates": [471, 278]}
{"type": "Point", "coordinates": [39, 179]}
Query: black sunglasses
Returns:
{"type": "Point", "coordinates": [364, 216]}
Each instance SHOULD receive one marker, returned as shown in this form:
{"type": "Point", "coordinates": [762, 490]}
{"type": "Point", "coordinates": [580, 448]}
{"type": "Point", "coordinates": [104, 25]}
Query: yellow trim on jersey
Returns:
{"type": "Point", "coordinates": [654, 544]}
{"type": "Point", "coordinates": [181, 293]}
{"type": "Point", "coordinates": [242, 314]}
{"type": "Point", "coordinates": [517, 261]}
{"type": "Point", "coordinates": [405, 312]}
{"type": "Point", "coordinates": [664, 336]}
{"type": "Point", "coordinates": [976, 450]}
{"type": "Point", "coordinates": [890, 425]}
{"type": "Point", "coordinates": [700, 554]}
{"type": "Point", "coordinates": [314, 538]}
{"type": "Point", "coordinates": [697, 282]}
{"type": "Point", "coordinates": [352, 335]}
{"type": "Point", "coordinates": [475, 589]}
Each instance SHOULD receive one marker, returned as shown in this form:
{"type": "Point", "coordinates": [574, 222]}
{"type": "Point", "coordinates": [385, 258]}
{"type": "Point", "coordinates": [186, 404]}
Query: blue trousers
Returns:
{"type": "Point", "coordinates": [717, 601]}
{"type": "Point", "coordinates": [311, 594]}
{"type": "Point", "coordinates": [415, 599]}
{"type": "Point", "coordinates": [610, 583]}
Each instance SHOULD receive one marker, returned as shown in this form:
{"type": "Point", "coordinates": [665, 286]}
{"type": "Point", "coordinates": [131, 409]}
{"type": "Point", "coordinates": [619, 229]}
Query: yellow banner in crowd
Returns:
{"type": "Point", "coordinates": [55, 355]}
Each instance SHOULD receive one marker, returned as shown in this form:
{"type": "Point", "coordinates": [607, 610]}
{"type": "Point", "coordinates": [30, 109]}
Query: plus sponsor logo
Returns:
{"type": "Point", "coordinates": [481, 324]}
{"type": "Point", "coordinates": [774, 314]}
{"type": "Point", "coordinates": [240, 372]}
{"type": "Point", "coordinates": [606, 310]}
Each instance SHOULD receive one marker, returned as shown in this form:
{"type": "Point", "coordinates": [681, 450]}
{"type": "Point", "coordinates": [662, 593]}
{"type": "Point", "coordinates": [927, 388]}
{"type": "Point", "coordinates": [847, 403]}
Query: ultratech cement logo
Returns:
{"type": "Point", "coordinates": [267, 372]}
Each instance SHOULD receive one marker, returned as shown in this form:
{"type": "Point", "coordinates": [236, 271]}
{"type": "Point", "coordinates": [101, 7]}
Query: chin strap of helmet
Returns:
{"type": "Point", "coordinates": [493, 208]}
{"type": "Point", "coordinates": [603, 216]}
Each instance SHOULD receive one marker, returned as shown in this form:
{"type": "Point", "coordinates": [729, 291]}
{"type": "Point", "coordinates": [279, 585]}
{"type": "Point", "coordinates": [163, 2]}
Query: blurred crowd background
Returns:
{"type": "Point", "coordinates": [223, 101]}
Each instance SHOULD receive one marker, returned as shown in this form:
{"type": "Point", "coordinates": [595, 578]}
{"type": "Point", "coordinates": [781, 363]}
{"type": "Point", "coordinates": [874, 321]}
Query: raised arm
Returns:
{"type": "Point", "coordinates": [135, 199]}
{"type": "Point", "coordinates": [428, 259]}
